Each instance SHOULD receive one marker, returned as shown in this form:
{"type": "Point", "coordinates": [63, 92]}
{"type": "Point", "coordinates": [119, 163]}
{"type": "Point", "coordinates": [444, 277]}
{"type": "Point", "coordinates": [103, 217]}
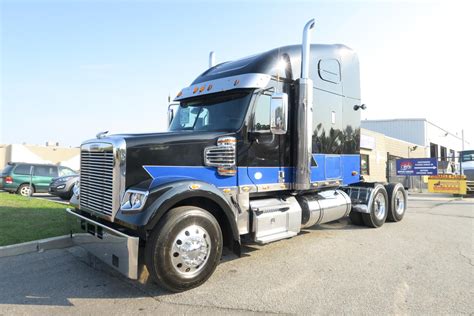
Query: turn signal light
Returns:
{"type": "Point", "coordinates": [195, 89]}
{"type": "Point", "coordinates": [194, 186]}
{"type": "Point", "coordinates": [223, 171]}
{"type": "Point", "coordinates": [226, 141]}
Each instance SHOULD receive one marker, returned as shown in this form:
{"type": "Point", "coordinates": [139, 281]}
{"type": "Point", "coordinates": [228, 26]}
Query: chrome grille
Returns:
{"type": "Point", "coordinates": [220, 156]}
{"type": "Point", "coordinates": [97, 175]}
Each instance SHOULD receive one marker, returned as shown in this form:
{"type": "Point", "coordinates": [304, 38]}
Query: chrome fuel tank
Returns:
{"type": "Point", "coordinates": [324, 207]}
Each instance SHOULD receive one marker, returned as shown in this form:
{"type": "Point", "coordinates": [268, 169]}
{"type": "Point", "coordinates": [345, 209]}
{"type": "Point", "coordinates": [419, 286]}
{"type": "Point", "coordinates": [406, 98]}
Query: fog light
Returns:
{"type": "Point", "coordinates": [133, 200]}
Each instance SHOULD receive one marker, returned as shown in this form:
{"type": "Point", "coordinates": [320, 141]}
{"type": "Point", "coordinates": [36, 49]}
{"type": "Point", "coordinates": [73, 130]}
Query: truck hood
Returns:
{"type": "Point", "coordinates": [165, 149]}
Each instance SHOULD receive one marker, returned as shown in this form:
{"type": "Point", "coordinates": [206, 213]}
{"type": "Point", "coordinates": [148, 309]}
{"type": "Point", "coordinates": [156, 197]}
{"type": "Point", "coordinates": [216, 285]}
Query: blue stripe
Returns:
{"type": "Point", "coordinates": [328, 167]}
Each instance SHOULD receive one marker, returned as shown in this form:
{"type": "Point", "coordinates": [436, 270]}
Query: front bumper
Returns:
{"type": "Point", "coordinates": [118, 250]}
{"type": "Point", "coordinates": [61, 188]}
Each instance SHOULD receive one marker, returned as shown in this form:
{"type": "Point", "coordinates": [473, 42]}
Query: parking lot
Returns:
{"type": "Point", "coordinates": [422, 265]}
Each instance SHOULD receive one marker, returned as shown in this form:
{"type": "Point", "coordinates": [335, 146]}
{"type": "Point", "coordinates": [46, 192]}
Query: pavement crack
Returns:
{"type": "Point", "coordinates": [221, 308]}
{"type": "Point", "coordinates": [469, 260]}
{"type": "Point", "coordinates": [445, 215]}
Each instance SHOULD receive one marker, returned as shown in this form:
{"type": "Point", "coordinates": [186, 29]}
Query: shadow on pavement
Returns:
{"type": "Point", "coordinates": [62, 276]}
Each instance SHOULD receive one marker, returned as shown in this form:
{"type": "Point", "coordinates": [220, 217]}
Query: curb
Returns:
{"type": "Point", "coordinates": [36, 246]}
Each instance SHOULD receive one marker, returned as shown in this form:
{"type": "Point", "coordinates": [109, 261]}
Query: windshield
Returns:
{"type": "Point", "coordinates": [214, 113]}
{"type": "Point", "coordinates": [467, 156]}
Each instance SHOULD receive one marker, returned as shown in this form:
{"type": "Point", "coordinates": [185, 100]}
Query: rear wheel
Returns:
{"type": "Point", "coordinates": [184, 249]}
{"type": "Point", "coordinates": [397, 197]}
{"type": "Point", "coordinates": [25, 190]}
{"type": "Point", "coordinates": [378, 208]}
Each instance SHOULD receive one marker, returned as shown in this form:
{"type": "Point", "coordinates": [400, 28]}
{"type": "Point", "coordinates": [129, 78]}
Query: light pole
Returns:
{"type": "Point", "coordinates": [460, 155]}
{"type": "Point", "coordinates": [410, 149]}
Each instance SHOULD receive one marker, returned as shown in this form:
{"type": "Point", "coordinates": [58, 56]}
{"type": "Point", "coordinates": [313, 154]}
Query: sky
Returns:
{"type": "Point", "coordinates": [71, 69]}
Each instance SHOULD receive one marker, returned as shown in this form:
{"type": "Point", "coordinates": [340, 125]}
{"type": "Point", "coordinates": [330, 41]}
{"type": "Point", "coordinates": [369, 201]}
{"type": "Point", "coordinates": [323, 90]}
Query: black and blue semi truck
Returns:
{"type": "Point", "coordinates": [257, 150]}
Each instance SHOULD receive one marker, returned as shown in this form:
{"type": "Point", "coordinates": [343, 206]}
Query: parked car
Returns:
{"type": "Point", "coordinates": [63, 186]}
{"type": "Point", "coordinates": [16, 177]}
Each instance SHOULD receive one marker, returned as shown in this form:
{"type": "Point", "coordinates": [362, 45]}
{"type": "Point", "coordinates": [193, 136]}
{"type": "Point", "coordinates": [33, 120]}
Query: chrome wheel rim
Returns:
{"type": "Point", "coordinates": [190, 250]}
{"type": "Point", "coordinates": [25, 191]}
{"type": "Point", "coordinates": [399, 203]}
{"type": "Point", "coordinates": [379, 206]}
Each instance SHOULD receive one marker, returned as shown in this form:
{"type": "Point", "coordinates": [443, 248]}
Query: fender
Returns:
{"type": "Point", "coordinates": [169, 191]}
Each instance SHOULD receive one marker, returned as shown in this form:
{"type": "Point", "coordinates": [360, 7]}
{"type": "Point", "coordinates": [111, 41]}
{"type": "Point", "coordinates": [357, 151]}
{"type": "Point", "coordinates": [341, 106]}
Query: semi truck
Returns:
{"type": "Point", "coordinates": [257, 150]}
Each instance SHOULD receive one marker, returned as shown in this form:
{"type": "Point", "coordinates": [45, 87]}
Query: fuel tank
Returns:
{"type": "Point", "coordinates": [323, 207]}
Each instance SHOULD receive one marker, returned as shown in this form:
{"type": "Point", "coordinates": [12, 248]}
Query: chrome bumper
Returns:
{"type": "Point", "coordinates": [113, 247]}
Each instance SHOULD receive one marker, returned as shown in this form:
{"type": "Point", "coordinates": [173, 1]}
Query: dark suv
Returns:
{"type": "Point", "coordinates": [16, 177]}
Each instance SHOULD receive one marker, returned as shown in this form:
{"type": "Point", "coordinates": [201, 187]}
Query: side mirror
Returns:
{"type": "Point", "coordinates": [279, 113]}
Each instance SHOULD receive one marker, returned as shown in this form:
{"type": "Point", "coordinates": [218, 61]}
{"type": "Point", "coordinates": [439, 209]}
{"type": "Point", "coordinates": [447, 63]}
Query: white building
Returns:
{"type": "Point", "coordinates": [63, 156]}
{"type": "Point", "coordinates": [438, 141]}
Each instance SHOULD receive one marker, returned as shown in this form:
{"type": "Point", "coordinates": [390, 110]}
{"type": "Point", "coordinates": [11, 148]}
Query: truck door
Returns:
{"type": "Point", "coordinates": [267, 154]}
{"type": "Point", "coordinates": [328, 136]}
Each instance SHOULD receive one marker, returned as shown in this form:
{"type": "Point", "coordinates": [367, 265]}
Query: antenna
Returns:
{"type": "Point", "coordinates": [212, 59]}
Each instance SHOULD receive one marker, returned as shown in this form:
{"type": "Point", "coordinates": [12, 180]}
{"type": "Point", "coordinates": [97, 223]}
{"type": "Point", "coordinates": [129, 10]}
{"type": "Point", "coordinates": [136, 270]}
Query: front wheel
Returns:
{"type": "Point", "coordinates": [184, 249]}
{"type": "Point", "coordinates": [378, 208]}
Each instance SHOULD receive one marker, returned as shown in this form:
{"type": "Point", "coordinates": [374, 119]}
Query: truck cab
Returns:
{"type": "Point", "coordinates": [257, 149]}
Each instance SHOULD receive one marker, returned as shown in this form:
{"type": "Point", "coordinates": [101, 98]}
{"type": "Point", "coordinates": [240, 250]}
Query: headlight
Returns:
{"type": "Point", "coordinates": [61, 186]}
{"type": "Point", "coordinates": [133, 200]}
{"type": "Point", "coordinates": [63, 179]}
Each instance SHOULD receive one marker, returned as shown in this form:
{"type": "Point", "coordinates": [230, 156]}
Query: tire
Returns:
{"type": "Point", "coordinates": [378, 208]}
{"type": "Point", "coordinates": [169, 263]}
{"type": "Point", "coordinates": [356, 218]}
{"type": "Point", "coordinates": [24, 190]}
{"type": "Point", "coordinates": [67, 196]}
{"type": "Point", "coordinates": [397, 197]}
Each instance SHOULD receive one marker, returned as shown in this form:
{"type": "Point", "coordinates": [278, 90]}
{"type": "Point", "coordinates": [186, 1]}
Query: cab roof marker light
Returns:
{"type": "Point", "coordinates": [250, 80]}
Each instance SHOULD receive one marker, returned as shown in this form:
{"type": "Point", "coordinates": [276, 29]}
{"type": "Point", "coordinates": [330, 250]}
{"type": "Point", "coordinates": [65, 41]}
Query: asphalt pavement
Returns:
{"type": "Point", "coordinates": [423, 264]}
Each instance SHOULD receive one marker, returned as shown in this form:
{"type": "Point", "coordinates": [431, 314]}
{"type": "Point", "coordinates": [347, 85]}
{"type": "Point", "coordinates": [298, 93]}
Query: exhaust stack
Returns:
{"type": "Point", "coordinates": [212, 59]}
{"type": "Point", "coordinates": [304, 115]}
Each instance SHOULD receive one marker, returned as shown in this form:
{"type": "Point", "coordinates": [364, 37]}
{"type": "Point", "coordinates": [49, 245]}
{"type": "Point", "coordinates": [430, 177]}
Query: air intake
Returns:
{"type": "Point", "coordinates": [222, 156]}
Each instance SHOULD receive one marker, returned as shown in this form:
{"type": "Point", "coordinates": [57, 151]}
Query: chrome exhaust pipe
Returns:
{"type": "Point", "coordinates": [212, 59]}
{"type": "Point", "coordinates": [305, 49]}
{"type": "Point", "coordinates": [304, 114]}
